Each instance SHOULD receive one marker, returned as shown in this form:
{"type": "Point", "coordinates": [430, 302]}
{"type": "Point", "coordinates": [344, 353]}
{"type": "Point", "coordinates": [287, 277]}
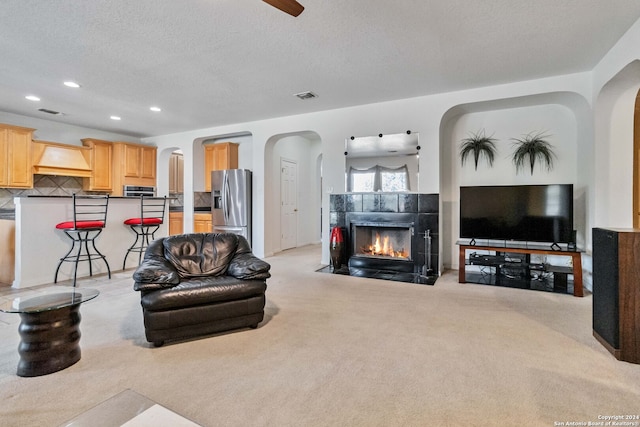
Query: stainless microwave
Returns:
{"type": "Point", "coordinates": [139, 190]}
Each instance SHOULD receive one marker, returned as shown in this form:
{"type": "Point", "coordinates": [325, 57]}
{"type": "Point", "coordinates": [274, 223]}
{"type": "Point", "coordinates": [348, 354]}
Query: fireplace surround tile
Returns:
{"type": "Point", "coordinates": [370, 202]}
{"type": "Point", "coordinates": [353, 203]}
{"type": "Point", "coordinates": [407, 203]}
{"type": "Point", "coordinates": [388, 203]}
{"type": "Point", "coordinates": [336, 203]}
{"type": "Point", "coordinates": [337, 219]}
{"type": "Point", "coordinates": [428, 203]}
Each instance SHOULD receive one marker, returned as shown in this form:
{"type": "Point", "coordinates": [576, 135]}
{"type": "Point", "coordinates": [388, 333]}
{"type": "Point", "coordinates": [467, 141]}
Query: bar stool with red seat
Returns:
{"type": "Point", "coordinates": [145, 226]}
{"type": "Point", "coordinates": [89, 219]}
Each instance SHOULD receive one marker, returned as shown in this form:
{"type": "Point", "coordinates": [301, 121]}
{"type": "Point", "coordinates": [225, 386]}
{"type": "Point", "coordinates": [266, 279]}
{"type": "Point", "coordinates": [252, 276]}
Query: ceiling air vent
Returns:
{"type": "Point", "coordinates": [306, 95]}
{"type": "Point", "coordinates": [44, 110]}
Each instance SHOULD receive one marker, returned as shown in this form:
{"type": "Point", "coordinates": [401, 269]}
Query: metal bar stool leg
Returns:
{"type": "Point", "coordinates": [73, 245]}
{"type": "Point", "coordinates": [133, 247]}
{"type": "Point", "coordinates": [99, 254]}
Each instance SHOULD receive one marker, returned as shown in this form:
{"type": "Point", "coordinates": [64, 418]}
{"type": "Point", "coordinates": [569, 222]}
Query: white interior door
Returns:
{"type": "Point", "coordinates": [288, 204]}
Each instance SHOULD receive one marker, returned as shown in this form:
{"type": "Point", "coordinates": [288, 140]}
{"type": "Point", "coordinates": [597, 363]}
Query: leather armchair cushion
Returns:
{"type": "Point", "coordinates": [203, 254]}
{"type": "Point", "coordinates": [155, 273]}
{"type": "Point", "coordinates": [202, 290]}
{"type": "Point", "coordinates": [248, 266]}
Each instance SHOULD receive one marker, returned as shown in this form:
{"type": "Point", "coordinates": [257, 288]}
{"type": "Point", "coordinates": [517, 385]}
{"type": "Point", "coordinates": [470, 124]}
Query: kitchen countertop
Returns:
{"type": "Point", "coordinates": [203, 209]}
{"type": "Point", "coordinates": [111, 197]}
{"type": "Point", "coordinates": [8, 214]}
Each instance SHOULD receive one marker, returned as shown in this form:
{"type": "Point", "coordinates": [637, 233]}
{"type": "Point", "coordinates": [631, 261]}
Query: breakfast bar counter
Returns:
{"type": "Point", "coordinates": [39, 245]}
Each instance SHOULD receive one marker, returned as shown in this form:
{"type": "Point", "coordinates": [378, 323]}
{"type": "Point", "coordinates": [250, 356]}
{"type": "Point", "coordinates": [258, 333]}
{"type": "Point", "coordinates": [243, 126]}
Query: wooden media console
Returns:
{"type": "Point", "coordinates": [576, 259]}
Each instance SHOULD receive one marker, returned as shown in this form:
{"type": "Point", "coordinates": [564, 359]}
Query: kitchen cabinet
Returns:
{"type": "Point", "coordinates": [219, 156]}
{"type": "Point", "coordinates": [7, 251]}
{"type": "Point", "coordinates": [101, 162]}
{"type": "Point", "coordinates": [16, 157]}
{"type": "Point", "coordinates": [176, 173]}
{"type": "Point", "coordinates": [176, 223]}
{"type": "Point", "coordinates": [133, 164]}
{"type": "Point", "coordinates": [202, 223]}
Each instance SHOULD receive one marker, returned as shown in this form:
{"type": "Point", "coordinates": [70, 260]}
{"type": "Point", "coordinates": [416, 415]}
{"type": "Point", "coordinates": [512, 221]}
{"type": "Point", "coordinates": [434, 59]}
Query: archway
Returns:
{"type": "Point", "coordinates": [615, 164]}
{"type": "Point", "coordinates": [303, 148]}
{"type": "Point", "coordinates": [508, 116]}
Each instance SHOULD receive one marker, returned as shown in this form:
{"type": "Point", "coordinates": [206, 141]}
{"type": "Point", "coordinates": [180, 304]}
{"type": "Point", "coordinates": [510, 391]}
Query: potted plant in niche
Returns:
{"type": "Point", "coordinates": [478, 144]}
{"type": "Point", "coordinates": [531, 147]}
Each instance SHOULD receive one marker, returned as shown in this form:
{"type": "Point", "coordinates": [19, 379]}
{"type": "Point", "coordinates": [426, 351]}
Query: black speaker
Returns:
{"type": "Point", "coordinates": [605, 286]}
{"type": "Point", "coordinates": [616, 291]}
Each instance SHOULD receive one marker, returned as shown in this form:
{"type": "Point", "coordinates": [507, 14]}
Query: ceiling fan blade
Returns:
{"type": "Point", "coordinates": [292, 7]}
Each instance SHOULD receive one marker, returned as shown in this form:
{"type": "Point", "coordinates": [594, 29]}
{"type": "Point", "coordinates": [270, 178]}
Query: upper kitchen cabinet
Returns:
{"type": "Point", "coordinates": [219, 156]}
{"type": "Point", "coordinates": [101, 162]}
{"type": "Point", "coordinates": [133, 164]}
{"type": "Point", "coordinates": [176, 173]}
{"type": "Point", "coordinates": [16, 157]}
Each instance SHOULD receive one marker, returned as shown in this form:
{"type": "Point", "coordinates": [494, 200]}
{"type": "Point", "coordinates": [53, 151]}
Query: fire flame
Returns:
{"type": "Point", "coordinates": [382, 247]}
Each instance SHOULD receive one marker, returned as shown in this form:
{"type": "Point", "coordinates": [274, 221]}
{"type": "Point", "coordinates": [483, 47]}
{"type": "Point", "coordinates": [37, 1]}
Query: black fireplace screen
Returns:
{"type": "Point", "coordinates": [385, 241]}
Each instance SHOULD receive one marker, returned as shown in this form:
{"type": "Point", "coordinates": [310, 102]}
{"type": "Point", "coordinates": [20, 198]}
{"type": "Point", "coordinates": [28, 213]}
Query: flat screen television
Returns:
{"type": "Point", "coordinates": [529, 213]}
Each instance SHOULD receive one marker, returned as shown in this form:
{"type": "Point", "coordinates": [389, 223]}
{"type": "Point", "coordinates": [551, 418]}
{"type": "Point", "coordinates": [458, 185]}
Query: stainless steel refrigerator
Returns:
{"type": "Point", "coordinates": [231, 202]}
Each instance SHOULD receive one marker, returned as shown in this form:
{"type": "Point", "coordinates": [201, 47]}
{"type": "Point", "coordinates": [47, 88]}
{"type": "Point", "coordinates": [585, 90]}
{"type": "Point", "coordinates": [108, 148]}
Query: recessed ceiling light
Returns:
{"type": "Point", "coordinates": [32, 98]}
{"type": "Point", "coordinates": [155, 109]}
{"type": "Point", "coordinates": [115, 118]}
{"type": "Point", "coordinates": [72, 84]}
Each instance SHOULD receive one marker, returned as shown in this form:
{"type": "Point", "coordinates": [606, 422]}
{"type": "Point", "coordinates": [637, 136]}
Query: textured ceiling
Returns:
{"type": "Point", "coordinates": [214, 62]}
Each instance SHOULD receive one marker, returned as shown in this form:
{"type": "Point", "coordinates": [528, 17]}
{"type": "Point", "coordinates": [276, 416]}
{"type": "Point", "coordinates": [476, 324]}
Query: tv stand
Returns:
{"type": "Point", "coordinates": [576, 258]}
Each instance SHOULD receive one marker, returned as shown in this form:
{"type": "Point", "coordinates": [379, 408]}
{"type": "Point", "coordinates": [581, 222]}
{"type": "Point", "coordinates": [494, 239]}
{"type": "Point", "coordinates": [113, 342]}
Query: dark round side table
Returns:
{"type": "Point", "coordinates": [49, 327]}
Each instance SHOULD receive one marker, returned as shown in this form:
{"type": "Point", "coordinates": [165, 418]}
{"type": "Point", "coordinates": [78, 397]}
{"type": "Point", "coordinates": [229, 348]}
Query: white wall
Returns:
{"type": "Point", "coordinates": [556, 121]}
{"type": "Point", "coordinates": [613, 163]}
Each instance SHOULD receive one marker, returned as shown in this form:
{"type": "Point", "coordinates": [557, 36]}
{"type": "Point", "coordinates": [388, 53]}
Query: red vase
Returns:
{"type": "Point", "coordinates": [335, 247]}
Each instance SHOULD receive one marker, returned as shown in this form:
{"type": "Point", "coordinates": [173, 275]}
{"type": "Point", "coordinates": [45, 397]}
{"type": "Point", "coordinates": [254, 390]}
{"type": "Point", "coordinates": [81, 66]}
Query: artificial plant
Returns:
{"type": "Point", "coordinates": [530, 148]}
{"type": "Point", "coordinates": [478, 144]}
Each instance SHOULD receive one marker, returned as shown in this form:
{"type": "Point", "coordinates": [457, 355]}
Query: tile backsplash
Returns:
{"type": "Point", "coordinates": [201, 199]}
{"type": "Point", "coordinates": [44, 185]}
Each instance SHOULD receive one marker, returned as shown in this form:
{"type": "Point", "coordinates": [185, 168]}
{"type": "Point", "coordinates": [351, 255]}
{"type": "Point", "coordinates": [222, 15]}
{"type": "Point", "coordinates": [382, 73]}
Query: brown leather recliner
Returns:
{"type": "Point", "coordinates": [199, 284]}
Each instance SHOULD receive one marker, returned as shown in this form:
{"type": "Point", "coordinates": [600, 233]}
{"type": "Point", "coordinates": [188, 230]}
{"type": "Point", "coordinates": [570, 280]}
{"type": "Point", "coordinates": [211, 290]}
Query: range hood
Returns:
{"type": "Point", "coordinates": [52, 158]}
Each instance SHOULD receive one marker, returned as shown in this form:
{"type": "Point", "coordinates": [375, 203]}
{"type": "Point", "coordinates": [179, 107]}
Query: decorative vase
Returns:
{"type": "Point", "coordinates": [335, 247]}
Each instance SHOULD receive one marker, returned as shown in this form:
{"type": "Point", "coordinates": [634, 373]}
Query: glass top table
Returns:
{"type": "Point", "coordinates": [49, 327]}
{"type": "Point", "coordinates": [50, 298]}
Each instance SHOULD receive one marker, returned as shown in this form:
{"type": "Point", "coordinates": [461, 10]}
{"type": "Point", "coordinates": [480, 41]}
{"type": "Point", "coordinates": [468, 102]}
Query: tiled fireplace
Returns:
{"type": "Point", "coordinates": [390, 236]}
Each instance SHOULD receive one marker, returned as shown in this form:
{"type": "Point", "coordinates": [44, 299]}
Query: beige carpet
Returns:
{"type": "Point", "coordinates": [342, 351]}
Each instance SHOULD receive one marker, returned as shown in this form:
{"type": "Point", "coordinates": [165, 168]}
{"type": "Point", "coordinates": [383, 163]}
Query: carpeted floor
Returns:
{"type": "Point", "coordinates": [336, 350]}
